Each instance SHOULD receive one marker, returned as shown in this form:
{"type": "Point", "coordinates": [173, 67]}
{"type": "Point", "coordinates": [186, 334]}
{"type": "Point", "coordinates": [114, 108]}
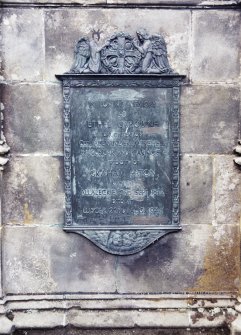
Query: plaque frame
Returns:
{"type": "Point", "coordinates": [111, 238]}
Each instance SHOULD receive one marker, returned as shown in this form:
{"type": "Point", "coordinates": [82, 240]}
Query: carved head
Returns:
{"type": "Point", "coordinates": [142, 34]}
{"type": "Point", "coordinates": [96, 35]}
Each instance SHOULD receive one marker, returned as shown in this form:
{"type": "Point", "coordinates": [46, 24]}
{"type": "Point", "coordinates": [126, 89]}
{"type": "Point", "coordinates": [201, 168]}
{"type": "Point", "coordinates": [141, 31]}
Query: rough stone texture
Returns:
{"type": "Point", "coordinates": [209, 119]}
{"type": "Point", "coordinates": [153, 331]}
{"type": "Point", "coordinates": [23, 41]}
{"type": "Point", "coordinates": [33, 117]}
{"type": "Point", "coordinates": [1, 291]}
{"type": "Point", "coordinates": [196, 189]}
{"type": "Point", "coordinates": [227, 191]}
{"type": "Point", "coordinates": [202, 258]}
{"type": "Point", "coordinates": [216, 40]}
{"type": "Point", "coordinates": [147, 3]}
{"type": "Point", "coordinates": [41, 259]}
{"type": "Point", "coordinates": [6, 326]}
{"type": "Point", "coordinates": [75, 23]}
{"type": "Point", "coordinates": [173, 2]}
{"type": "Point", "coordinates": [57, 2]}
{"type": "Point", "coordinates": [104, 319]}
{"type": "Point", "coordinates": [33, 191]}
{"type": "Point", "coordinates": [48, 260]}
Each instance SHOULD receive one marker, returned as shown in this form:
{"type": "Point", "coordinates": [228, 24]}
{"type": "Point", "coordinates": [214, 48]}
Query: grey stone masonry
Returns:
{"type": "Point", "coordinates": [54, 279]}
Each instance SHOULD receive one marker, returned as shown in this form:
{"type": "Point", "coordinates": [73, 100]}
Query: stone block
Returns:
{"type": "Point", "coordinates": [73, 24]}
{"type": "Point", "coordinates": [33, 117]}
{"type": "Point", "coordinates": [207, 318]}
{"type": "Point", "coordinates": [33, 191]}
{"type": "Point", "coordinates": [23, 44]}
{"type": "Point", "coordinates": [48, 260]}
{"type": "Point", "coordinates": [216, 40]}
{"type": "Point", "coordinates": [173, 3]}
{"type": "Point", "coordinates": [6, 326]}
{"type": "Point", "coordinates": [209, 119]}
{"type": "Point", "coordinates": [127, 318]}
{"type": "Point", "coordinates": [1, 288]}
{"type": "Point", "coordinates": [201, 258]}
{"type": "Point", "coordinates": [196, 189]}
{"type": "Point", "coordinates": [132, 331]}
{"type": "Point", "coordinates": [68, 2]}
{"type": "Point", "coordinates": [227, 191]}
{"type": "Point", "coordinates": [39, 319]}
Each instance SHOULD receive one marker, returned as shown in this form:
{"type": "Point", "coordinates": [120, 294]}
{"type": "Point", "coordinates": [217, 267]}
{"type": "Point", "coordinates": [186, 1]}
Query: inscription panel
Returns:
{"type": "Point", "coordinates": [121, 156]}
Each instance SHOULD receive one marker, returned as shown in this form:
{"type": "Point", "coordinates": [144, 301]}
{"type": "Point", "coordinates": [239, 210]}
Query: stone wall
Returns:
{"type": "Point", "coordinates": [51, 278]}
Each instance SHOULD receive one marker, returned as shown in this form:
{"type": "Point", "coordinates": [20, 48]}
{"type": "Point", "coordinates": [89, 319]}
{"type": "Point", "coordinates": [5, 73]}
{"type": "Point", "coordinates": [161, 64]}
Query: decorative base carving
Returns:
{"type": "Point", "coordinates": [123, 242]}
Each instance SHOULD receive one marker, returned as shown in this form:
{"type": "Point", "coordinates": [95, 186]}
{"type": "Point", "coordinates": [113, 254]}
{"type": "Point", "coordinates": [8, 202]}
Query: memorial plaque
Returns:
{"type": "Point", "coordinates": [121, 139]}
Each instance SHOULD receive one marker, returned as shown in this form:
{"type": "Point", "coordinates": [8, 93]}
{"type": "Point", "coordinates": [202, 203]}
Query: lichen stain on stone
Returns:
{"type": "Point", "coordinates": [28, 217]}
{"type": "Point", "coordinates": [201, 302]}
{"type": "Point", "coordinates": [221, 264]}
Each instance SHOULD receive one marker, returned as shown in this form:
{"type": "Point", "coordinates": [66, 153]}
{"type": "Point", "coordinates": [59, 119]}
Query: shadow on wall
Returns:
{"type": "Point", "coordinates": [152, 331]}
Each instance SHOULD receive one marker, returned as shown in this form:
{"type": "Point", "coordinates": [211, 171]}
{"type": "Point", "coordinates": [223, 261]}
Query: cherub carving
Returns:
{"type": "Point", "coordinates": [122, 54]}
{"type": "Point", "coordinates": [87, 55]}
{"type": "Point", "coordinates": [154, 52]}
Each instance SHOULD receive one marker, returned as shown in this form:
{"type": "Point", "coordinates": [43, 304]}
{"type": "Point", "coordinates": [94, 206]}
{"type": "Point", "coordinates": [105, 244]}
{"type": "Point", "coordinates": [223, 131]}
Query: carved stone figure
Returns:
{"type": "Point", "coordinates": [94, 61]}
{"type": "Point", "coordinates": [82, 55]}
{"type": "Point", "coordinates": [237, 151]}
{"type": "Point", "coordinates": [4, 148]}
{"type": "Point", "coordinates": [87, 55]}
{"type": "Point", "coordinates": [122, 54]}
{"type": "Point", "coordinates": [154, 53]}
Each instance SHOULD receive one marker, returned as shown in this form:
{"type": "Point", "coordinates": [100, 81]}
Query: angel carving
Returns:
{"type": "Point", "coordinates": [154, 52]}
{"type": "Point", "coordinates": [87, 55]}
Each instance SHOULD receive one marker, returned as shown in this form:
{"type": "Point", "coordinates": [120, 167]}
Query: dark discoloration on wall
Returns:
{"type": "Point", "coordinates": [208, 118]}
{"type": "Point", "coordinates": [33, 185]}
{"type": "Point", "coordinates": [221, 262]}
{"type": "Point", "coordinates": [204, 257]}
{"type": "Point", "coordinates": [153, 331]}
{"type": "Point", "coordinates": [33, 118]}
{"type": "Point", "coordinates": [164, 266]}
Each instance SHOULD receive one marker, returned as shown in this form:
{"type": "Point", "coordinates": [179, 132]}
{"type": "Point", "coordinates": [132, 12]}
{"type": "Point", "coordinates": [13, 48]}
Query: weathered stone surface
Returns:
{"type": "Point", "coordinates": [6, 326]}
{"type": "Point", "coordinates": [33, 117]}
{"type": "Point", "coordinates": [45, 260]}
{"type": "Point", "coordinates": [23, 44]}
{"type": "Point", "coordinates": [201, 258]}
{"type": "Point", "coordinates": [209, 119]}
{"type": "Point", "coordinates": [1, 292]}
{"type": "Point", "coordinates": [173, 3]}
{"type": "Point", "coordinates": [227, 190]}
{"type": "Point", "coordinates": [75, 2]}
{"type": "Point", "coordinates": [221, 261]}
{"type": "Point", "coordinates": [57, 2]}
{"type": "Point", "coordinates": [184, 3]}
{"type": "Point", "coordinates": [39, 319]}
{"type": "Point", "coordinates": [132, 331]}
{"type": "Point", "coordinates": [196, 189]}
{"type": "Point", "coordinates": [216, 38]}
{"type": "Point", "coordinates": [33, 191]}
{"type": "Point", "coordinates": [211, 318]}
{"type": "Point", "coordinates": [73, 24]}
{"type": "Point", "coordinates": [136, 318]}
